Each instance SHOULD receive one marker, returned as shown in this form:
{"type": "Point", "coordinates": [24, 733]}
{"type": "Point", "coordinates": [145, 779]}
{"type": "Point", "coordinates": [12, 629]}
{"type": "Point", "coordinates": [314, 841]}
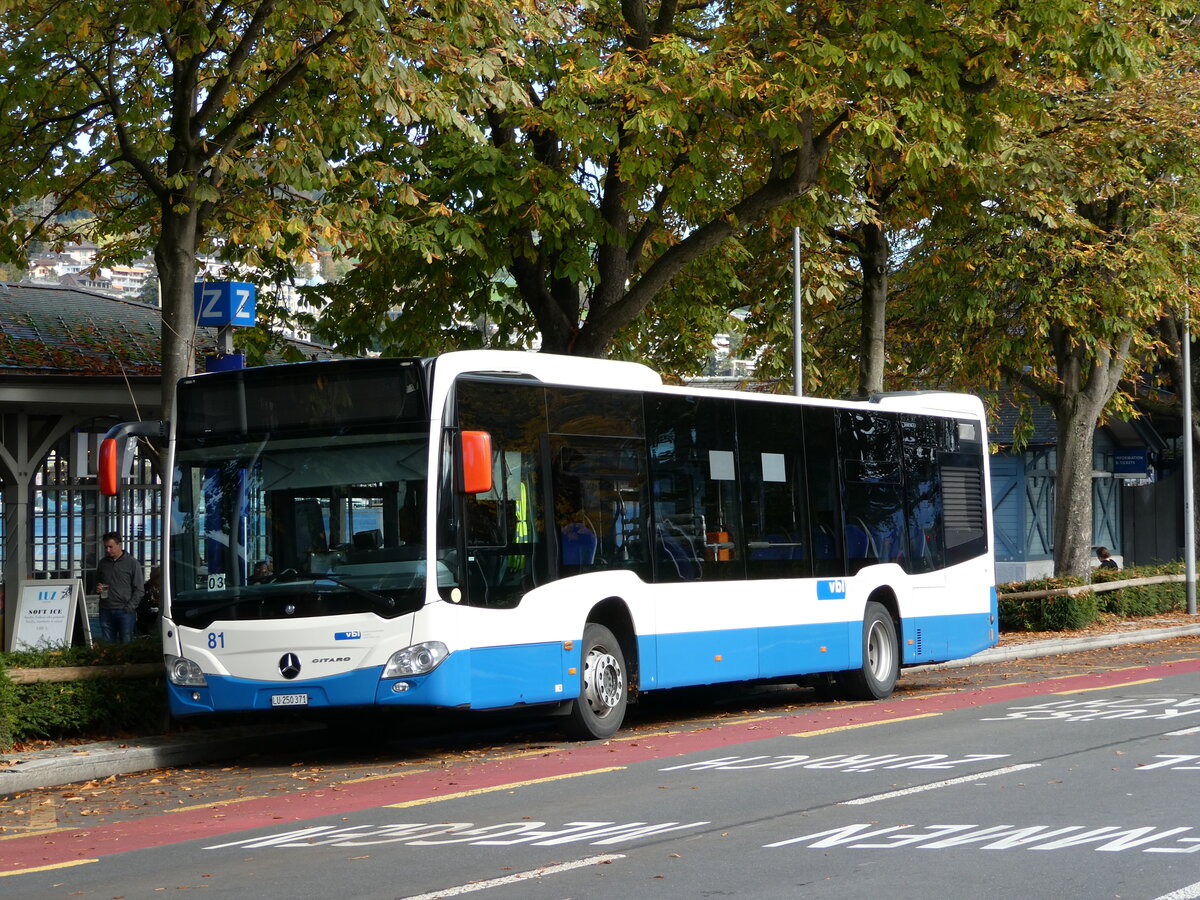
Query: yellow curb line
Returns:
{"type": "Point", "coordinates": [500, 787]}
{"type": "Point", "coordinates": [64, 865]}
{"type": "Point", "coordinates": [863, 725]}
{"type": "Point", "coordinates": [1110, 687]}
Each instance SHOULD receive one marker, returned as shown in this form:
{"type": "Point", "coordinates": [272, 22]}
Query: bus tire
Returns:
{"type": "Point", "coordinates": [876, 678]}
{"type": "Point", "coordinates": [599, 709]}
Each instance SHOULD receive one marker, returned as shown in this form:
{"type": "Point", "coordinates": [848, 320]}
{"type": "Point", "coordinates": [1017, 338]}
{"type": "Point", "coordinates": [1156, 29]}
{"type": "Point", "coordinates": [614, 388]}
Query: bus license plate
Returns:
{"type": "Point", "coordinates": [289, 699]}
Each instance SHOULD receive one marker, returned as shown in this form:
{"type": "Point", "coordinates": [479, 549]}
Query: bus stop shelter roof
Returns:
{"type": "Point", "coordinates": [51, 330]}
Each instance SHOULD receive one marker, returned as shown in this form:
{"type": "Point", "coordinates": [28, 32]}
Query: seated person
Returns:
{"type": "Point", "coordinates": [578, 544]}
{"type": "Point", "coordinates": [263, 572]}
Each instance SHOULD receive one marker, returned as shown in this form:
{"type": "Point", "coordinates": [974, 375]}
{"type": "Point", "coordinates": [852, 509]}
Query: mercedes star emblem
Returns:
{"type": "Point", "coordinates": [289, 665]}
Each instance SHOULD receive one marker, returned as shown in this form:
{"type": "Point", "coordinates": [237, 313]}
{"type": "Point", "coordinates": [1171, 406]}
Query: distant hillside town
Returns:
{"type": "Point", "coordinates": [75, 267]}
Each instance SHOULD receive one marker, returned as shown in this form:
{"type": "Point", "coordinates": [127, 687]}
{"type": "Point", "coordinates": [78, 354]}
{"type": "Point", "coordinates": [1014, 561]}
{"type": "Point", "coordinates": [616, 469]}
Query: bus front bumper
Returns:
{"type": "Point", "coordinates": [446, 686]}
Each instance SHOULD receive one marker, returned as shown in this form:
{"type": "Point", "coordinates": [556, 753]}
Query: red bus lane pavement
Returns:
{"type": "Point", "coordinates": [76, 846]}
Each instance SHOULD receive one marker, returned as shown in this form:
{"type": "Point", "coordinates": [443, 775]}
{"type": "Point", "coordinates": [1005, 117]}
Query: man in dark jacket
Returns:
{"type": "Point", "coordinates": [120, 583]}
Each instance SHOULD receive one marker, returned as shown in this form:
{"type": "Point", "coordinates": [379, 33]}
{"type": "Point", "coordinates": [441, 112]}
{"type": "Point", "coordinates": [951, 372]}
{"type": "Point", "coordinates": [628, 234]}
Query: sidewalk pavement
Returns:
{"type": "Point", "coordinates": [68, 764]}
{"type": "Point", "coordinates": [1056, 644]}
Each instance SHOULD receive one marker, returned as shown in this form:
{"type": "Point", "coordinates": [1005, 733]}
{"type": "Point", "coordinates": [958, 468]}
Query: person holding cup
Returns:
{"type": "Point", "coordinates": [120, 583]}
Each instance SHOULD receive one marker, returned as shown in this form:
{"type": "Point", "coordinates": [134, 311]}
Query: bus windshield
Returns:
{"type": "Point", "coordinates": [273, 528]}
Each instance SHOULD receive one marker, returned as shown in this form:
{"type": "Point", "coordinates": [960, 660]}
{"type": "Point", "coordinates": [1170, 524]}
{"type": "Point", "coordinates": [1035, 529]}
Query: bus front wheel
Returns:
{"type": "Point", "coordinates": [876, 678]}
{"type": "Point", "coordinates": [604, 687]}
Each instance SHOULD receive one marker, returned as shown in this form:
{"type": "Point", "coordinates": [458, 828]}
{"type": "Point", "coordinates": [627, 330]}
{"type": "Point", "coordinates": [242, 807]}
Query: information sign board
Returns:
{"type": "Point", "coordinates": [47, 614]}
{"type": "Point", "coordinates": [1130, 463]}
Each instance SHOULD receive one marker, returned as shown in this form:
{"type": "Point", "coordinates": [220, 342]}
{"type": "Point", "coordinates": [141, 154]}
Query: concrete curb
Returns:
{"type": "Point", "coordinates": [1055, 646]}
{"type": "Point", "coordinates": [85, 762]}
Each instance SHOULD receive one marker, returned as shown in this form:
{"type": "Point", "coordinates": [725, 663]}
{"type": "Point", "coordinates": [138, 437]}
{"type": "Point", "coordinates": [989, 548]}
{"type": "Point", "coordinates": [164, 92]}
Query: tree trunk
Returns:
{"type": "Point", "coordinates": [1076, 425]}
{"type": "Point", "coordinates": [1087, 380]}
{"type": "Point", "coordinates": [874, 259]}
{"type": "Point", "coordinates": [175, 257]}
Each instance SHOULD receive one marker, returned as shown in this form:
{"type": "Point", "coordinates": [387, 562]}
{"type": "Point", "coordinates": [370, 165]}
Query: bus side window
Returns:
{"type": "Point", "coordinates": [504, 530]}
{"type": "Point", "coordinates": [965, 513]}
{"type": "Point", "coordinates": [599, 502]}
{"type": "Point", "coordinates": [873, 503]}
{"type": "Point", "coordinates": [697, 498]}
{"type": "Point", "coordinates": [771, 448]}
{"type": "Point", "coordinates": [823, 492]}
{"type": "Point", "coordinates": [488, 515]}
{"type": "Point", "coordinates": [924, 438]}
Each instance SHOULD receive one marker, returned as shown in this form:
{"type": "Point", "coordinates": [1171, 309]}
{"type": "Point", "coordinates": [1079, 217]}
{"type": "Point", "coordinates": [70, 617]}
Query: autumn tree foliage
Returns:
{"type": "Point", "coordinates": [655, 135]}
{"type": "Point", "coordinates": [1060, 276]}
{"type": "Point", "coordinates": [889, 183]}
{"type": "Point", "coordinates": [241, 128]}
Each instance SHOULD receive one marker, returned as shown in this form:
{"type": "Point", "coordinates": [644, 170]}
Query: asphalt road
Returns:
{"type": "Point", "coordinates": [1067, 776]}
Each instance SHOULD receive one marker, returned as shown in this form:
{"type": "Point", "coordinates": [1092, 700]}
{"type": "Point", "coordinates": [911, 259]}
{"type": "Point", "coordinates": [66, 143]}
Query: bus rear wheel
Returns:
{"type": "Point", "coordinates": [876, 678]}
{"type": "Point", "coordinates": [599, 709]}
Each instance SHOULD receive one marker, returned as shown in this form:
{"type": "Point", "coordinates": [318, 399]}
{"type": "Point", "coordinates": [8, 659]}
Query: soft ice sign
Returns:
{"type": "Point", "coordinates": [45, 614]}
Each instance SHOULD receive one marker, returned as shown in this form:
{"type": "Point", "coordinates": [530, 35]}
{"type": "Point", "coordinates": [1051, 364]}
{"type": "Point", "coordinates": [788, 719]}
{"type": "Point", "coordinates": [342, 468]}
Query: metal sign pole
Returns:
{"type": "Point", "coordinates": [1189, 472]}
{"type": "Point", "coordinates": [798, 315]}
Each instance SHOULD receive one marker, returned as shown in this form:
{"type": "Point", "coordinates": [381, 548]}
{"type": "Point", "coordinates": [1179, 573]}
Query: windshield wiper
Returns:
{"type": "Point", "coordinates": [212, 607]}
{"type": "Point", "coordinates": [378, 599]}
{"type": "Point", "coordinates": [387, 603]}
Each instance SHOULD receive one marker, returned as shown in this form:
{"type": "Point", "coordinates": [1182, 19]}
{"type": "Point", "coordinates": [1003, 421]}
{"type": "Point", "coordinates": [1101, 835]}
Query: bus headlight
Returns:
{"type": "Point", "coordinates": [184, 672]}
{"type": "Point", "coordinates": [419, 659]}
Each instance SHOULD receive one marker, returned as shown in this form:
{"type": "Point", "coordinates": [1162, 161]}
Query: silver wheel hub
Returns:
{"type": "Point", "coordinates": [602, 681]}
{"type": "Point", "coordinates": [879, 651]}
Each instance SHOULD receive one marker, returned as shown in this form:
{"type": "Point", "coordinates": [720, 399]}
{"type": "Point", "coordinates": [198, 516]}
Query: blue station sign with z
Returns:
{"type": "Point", "coordinates": [221, 303]}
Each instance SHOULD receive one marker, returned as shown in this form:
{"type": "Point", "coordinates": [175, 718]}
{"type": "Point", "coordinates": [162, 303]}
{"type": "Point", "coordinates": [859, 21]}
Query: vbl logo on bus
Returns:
{"type": "Point", "coordinates": [831, 589]}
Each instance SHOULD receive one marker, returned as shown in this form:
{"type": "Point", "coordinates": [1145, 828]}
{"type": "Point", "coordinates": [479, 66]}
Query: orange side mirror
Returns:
{"type": "Point", "coordinates": [108, 469]}
{"type": "Point", "coordinates": [475, 451]}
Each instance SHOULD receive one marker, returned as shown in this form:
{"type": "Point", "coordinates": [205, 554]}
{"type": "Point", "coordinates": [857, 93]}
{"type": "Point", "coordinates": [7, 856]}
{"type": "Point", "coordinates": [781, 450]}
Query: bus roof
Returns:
{"type": "Point", "coordinates": [551, 367]}
{"type": "Point", "coordinates": [619, 375]}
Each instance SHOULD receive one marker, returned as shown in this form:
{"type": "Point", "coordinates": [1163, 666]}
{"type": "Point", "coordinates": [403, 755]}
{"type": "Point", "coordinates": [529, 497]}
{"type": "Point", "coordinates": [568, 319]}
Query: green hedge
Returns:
{"type": "Point", "coordinates": [89, 707]}
{"type": "Point", "coordinates": [1066, 613]}
{"type": "Point", "coordinates": [140, 650]}
{"type": "Point", "coordinates": [8, 709]}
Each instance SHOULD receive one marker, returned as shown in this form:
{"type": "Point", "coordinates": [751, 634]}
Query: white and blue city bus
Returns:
{"type": "Point", "coordinates": [487, 530]}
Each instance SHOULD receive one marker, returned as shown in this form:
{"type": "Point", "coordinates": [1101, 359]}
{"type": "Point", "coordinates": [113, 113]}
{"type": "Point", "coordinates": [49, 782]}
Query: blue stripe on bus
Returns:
{"type": "Point", "coordinates": [808, 649]}
{"type": "Point", "coordinates": [712, 657]}
{"type": "Point", "coordinates": [517, 675]}
{"type": "Point", "coordinates": [742, 654]}
{"type": "Point", "coordinates": [939, 638]}
{"type": "Point", "coordinates": [495, 677]}
{"type": "Point", "coordinates": [483, 678]}
{"type": "Point", "coordinates": [223, 693]}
